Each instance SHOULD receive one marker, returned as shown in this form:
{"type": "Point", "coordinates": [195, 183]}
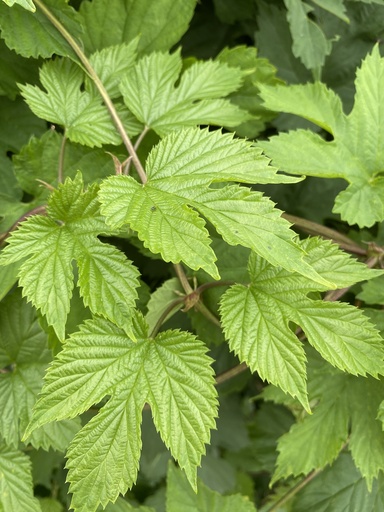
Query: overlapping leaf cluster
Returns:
{"type": "Point", "coordinates": [197, 203]}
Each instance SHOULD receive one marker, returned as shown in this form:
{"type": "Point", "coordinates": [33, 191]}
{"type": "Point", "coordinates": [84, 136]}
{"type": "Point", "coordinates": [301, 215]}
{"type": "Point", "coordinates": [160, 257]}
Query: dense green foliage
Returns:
{"type": "Point", "coordinates": [170, 340]}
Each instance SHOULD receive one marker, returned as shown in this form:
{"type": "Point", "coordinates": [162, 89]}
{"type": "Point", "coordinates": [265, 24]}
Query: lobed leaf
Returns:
{"type": "Point", "coordinates": [180, 169]}
{"type": "Point", "coordinates": [111, 63]}
{"type": "Point", "coordinates": [355, 154]}
{"type": "Point", "coordinates": [340, 487]}
{"type": "Point", "coordinates": [312, 101]}
{"type": "Point", "coordinates": [41, 39]}
{"type": "Point", "coordinates": [171, 372]}
{"type": "Point", "coordinates": [85, 119]}
{"type": "Point", "coordinates": [149, 92]}
{"type": "Point", "coordinates": [309, 42]}
{"type": "Point", "coordinates": [24, 352]}
{"type": "Point", "coordinates": [49, 244]}
{"type": "Point", "coordinates": [259, 334]}
{"type": "Point", "coordinates": [256, 320]}
{"type": "Point", "coordinates": [103, 459]}
{"type": "Point", "coordinates": [348, 408]}
{"type": "Point", "coordinates": [26, 4]}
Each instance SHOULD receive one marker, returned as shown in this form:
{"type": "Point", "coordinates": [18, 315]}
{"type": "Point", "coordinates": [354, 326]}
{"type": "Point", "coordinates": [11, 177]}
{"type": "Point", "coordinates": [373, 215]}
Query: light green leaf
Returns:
{"type": "Point", "coordinates": [163, 221]}
{"type": "Point", "coordinates": [171, 373]}
{"type": "Point", "coordinates": [149, 92]}
{"type": "Point", "coordinates": [259, 334]}
{"type": "Point", "coordinates": [107, 281]}
{"type": "Point", "coordinates": [111, 63]}
{"type": "Point", "coordinates": [356, 153]}
{"type": "Point", "coordinates": [334, 264]}
{"type": "Point", "coordinates": [111, 442]}
{"type": "Point", "coordinates": [316, 441]}
{"type": "Point", "coordinates": [335, 7]}
{"type": "Point", "coordinates": [257, 71]}
{"type": "Point", "coordinates": [180, 496]}
{"type": "Point", "coordinates": [85, 119]}
{"type": "Point", "coordinates": [161, 299]}
{"type": "Point", "coordinates": [50, 505]}
{"type": "Point", "coordinates": [121, 505]}
{"type": "Point", "coordinates": [314, 102]}
{"type": "Point", "coordinates": [41, 39]}
{"type": "Point", "coordinates": [159, 24]}
{"type": "Point", "coordinates": [180, 169]}
{"type": "Point", "coordinates": [256, 320]}
{"type": "Point", "coordinates": [26, 4]}
{"type": "Point", "coordinates": [309, 42]}
{"type": "Point", "coordinates": [343, 335]}
{"type": "Point", "coordinates": [16, 487]}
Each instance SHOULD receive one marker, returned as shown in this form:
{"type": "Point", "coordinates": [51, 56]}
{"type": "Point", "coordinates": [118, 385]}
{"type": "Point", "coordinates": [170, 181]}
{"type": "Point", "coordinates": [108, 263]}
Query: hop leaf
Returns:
{"type": "Point", "coordinates": [356, 153]}
{"type": "Point", "coordinates": [256, 320]}
{"type": "Point", "coordinates": [107, 280]}
{"type": "Point", "coordinates": [149, 92]}
{"type": "Point", "coordinates": [172, 373]}
{"type": "Point", "coordinates": [85, 119]}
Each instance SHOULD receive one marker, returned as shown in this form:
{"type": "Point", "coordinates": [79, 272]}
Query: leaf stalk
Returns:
{"type": "Point", "coordinates": [100, 86]}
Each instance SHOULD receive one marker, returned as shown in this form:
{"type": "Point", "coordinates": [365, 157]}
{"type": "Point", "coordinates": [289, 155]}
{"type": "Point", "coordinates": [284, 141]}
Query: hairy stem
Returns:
{"type": "Point", "coordinates": [312, 228]}
{"type": "Point", "coordinates": [183, 278]}
{"type": "Point", "coordinates": [294, 490]}
{"type": "Point", "coordinates": [100, 86]}
{"type": "Point", "coordinates": [229, 374]}
{"type": "Point", "coordinates": [136, 147]}
{"type": "Point", "coordinates": [38, 210]}
{"type": "Point", "coordinates": [173, 307]}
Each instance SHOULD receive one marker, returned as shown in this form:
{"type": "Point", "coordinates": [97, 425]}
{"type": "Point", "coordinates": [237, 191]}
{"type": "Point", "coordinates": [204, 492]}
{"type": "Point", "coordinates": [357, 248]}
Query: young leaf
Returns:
{"type": "Point", "coordinates": [355, 154]}
{"type": "Point", "coordinates": [180, 169]}
{"type": "Point", "coordinates": [149, 92]}
{"type": "Point", "coordinates": [16, 487]}
{"type": "Point", "coordinates": [171, 373]}
{"type": "Point", "coordinates": [257, 71]}
{"type": "Point", "coordinates": [180, 496]}
{"type": "Point", "coordinates": [256, 321]}
{"type": "Point", "coordinates": [159, 24]}
{"type": "Point", "coordinates": [83, 115]}
{"type": "Point", "coordinates": [107, 280]}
